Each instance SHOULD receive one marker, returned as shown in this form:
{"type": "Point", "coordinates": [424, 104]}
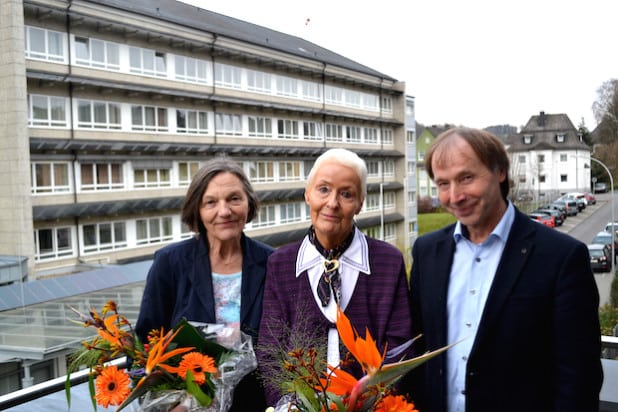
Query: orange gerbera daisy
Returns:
{"type": "Point", "coordinates": [198, 364]}
{"type": "Point", "coordinates": [112, 386]}
{"type": "Point", "coordinates": [392, 403]}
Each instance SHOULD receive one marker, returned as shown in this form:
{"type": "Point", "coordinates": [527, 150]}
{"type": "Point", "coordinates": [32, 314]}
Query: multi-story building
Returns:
{"type": "Point", "coordinates": [548, 157]}
{"type": "Point", "coordinates": [426, 136]}
{"type": "Point", "coordinates": [108, 108]}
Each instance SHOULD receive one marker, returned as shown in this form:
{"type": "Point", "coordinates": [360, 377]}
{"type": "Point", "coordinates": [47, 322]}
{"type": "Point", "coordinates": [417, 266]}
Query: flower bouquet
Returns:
{"type": "Point", "coordinates": [312, 386]}
{"type": "Point", "coordinates": [183, 366]}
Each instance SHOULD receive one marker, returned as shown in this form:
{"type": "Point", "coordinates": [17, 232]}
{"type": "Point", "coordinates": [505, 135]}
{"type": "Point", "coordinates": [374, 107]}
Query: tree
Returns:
{"type": "Point", "coordinates": [585, 133]}
{"type": "Point", "coordinates": [605, 110]}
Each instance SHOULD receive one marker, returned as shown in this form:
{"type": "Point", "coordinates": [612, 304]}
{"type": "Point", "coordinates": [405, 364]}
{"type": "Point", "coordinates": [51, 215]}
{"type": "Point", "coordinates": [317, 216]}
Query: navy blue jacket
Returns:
{"type": "Point", "coordinates": [179, 285]}
{"type": "Point", "coordinates": [538, 343]}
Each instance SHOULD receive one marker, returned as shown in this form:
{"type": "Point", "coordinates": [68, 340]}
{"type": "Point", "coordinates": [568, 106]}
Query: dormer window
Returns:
{"type": "Point", "coordinates": [560, 138]}
{"type": "Point", "coordinates": [527, 139]}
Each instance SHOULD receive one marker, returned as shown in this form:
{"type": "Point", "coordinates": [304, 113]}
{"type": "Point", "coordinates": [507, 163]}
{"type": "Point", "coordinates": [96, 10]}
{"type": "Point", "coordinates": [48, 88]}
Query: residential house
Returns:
{"type": "Point", "coordinates": [548, 157]}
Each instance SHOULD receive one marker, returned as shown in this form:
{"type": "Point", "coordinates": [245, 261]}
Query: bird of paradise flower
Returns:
{"type": "Point", "coordinates": [340, 391]}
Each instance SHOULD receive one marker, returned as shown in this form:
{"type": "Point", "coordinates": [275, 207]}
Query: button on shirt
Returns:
{"type": "Point", "coordinates": [472, 273]}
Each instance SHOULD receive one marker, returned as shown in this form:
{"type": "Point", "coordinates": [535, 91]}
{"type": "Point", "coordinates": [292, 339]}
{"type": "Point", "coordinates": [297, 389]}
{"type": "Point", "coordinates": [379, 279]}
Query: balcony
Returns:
{"type": "Point", "coordinates": [34, 330]}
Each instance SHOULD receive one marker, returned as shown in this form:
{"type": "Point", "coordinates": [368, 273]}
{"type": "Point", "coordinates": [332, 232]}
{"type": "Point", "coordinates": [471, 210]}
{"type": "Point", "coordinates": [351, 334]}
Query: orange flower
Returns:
{"type": "Point", "coordinates": [364, 350]}
{"type": "Point", "coordinates": [157, 354]}
{"type": "Point", "coordinates": [392, 403]}
{"type": "Point", "coordinates": [198, 364]}
{"type": "Point", "coordinates": [339, 382]}
{"type": "Point", "coordinates": [112, 386]}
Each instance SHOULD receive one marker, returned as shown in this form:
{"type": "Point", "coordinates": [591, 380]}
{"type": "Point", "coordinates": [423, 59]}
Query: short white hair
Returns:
{"type": "Point", "coordinates": [346, 158]}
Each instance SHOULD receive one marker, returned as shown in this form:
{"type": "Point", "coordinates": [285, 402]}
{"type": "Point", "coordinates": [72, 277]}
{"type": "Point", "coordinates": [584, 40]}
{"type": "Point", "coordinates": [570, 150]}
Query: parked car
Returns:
{"type": "Point", "coordinates": [560, 208]}
{"type": "Point", "coordinates": [547, 220]}
{"type": "Point", "coordinates": [552, 212]}
{"type": "Point", "coordinates": [592, 200]}
{"type": "Point", "coordinates": [608, 227]}
{"type": "Point", "coordinates": [579, 200]}
{"type": "Point", "coordinates": [600, 187]}
{"type": "Point", "coordinates": [600, 258]}
{"type": "Point", "coordinates": [605, 238]}
{"type": "Point", "coordinates": [569, 204]}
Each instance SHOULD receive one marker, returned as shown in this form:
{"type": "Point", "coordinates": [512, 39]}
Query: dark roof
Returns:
{"type": "Point", "coordinates": [208, 21]}
{"type": "Point", "coordinates": [542, 130]}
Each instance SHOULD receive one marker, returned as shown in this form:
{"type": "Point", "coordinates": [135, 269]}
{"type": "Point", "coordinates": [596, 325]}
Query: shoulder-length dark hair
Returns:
{"type": "Point", "coordinates": [190, 212]}
{"type": "Point", "coordinates": [488, 148]}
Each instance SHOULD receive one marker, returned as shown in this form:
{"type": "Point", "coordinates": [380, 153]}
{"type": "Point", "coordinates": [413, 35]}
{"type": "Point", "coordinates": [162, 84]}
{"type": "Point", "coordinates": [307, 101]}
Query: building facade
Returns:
{"type": "Point", "coordinates": [110, 107]}
{"type": "Point", "coordinates": [548, 158]}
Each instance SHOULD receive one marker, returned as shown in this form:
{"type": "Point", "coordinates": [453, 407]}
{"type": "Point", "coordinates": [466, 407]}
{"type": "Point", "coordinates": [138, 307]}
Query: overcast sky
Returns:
{"type": "Point", "coordinates": [475, 63]}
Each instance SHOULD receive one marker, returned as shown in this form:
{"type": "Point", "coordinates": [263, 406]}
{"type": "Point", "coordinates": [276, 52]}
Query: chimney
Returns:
{"type": "Point", "coordinates": [542, 119]}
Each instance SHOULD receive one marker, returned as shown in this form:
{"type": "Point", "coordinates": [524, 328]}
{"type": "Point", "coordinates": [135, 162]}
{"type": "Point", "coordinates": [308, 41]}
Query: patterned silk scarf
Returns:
{"type": "Point", "coordinates": [330, 279]}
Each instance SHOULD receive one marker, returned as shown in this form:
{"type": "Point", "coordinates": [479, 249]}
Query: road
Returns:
{"type": "Point", "coordinates": [587, 224]}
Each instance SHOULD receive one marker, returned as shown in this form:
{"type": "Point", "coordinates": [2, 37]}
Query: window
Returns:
{"type": "Point", "coordinates": [372, 203]}
{"type": "Point", "coordinates": [50, 177]}
{"type": "Point", "coordinates": [97, 53]}
{"type": "Point", "coordinates": [370, 101]}
{"type": "Point", "coordinates": [147, 62]}
{"type": "Point", "coordinates": [47, 111]}
{"type": "Point", "coordinates": [564, 178]}
{"type": "Point", "coordinates": [98, 115]}
{"type": "Point", "coordinates": [186, 171]}
{"type": "Point", "coordinates": [521, 158]}
{"type": "Point", "coordinates": [373, 168]}
{"type": "Point", "coordinates": [149, 118]}
{"type": "Point", "coordinates": [390, 231]}
{"type": "Point", "coordinates": [310, 90]}
{"type": "Point", "coordinates": [420, 155]}
{"type": "Point", "coordinates": [333, 132]}
{"type": "Point", "coordinates": [389, 168]}
{"type": "Point", "coordinates": [101, 176]}
{"type": "Point", "coordinates": [290, 212]}
{"type": "Point", "coordinates": [352, 98]}
{"type": "Point", "coordinates": [389, 200]}
{"type": "Point", "coordinates": [563, 157]}
{"type": "Point", "coordinates": [352, 134]}
{"type": "Point", "coordinates": [372, 231]}
{"type": "Point", "coordinates": [560, 138]}
{"type": "Point", "coordinates": [265, 217]}
{"type": "Point", "coordinates": [228, 124]}
{"type": "Point", "coordinates": [542, 179]}
{"type": "Point", "coordinates": [411, 198]}
{"type": "Point", "coordinates": [191, 121]}
{"type": "Point", "coordinates": [410, 137]}
{"type": "Point", "coordinates": [258, 81]}
{"type": "Point", "coordinates": [522, 178]}
{"type": "Point", "coordinates": [151, 177]}
{"type": "Point", "coordinates": [312, 131]}
{"type": "Point", "coordinates": [261, 172]}
{"type": "Point", "coordinates": [260, 126]}
{"type": "Point", "coordinates": [52, 243]}
{"type": "Point", "coordinates": [227, 76]}
{"type": "Point", "coordinates": [333, 95]}
{"type": "Point", "coordinates": [289, 171]}
{"type": "Point", "coordinates": [411, 168]}
{"type": "Point", "coordinates": [189, 69]}
{"type": "Point", "coordinates": [541, 158]}
{"type": "Point", "coordinates": [104, 236]}
{"type": "Point", "coordinates": [154, 230]}
{"type": "Point", "coordinates": [287, 86]}
{"type": "Point", "coordinates": [527, 138]}
{"type": "Point", "coordinates": [371, 134]}
{"type": "Point", "coordinates": [387, 105]}
{"type": "Point", "coordinates": [44, 44]}
{"type": "Point", "coordinates": [387, 136]}
{"type": "Point", "coordinates": [287, 129]}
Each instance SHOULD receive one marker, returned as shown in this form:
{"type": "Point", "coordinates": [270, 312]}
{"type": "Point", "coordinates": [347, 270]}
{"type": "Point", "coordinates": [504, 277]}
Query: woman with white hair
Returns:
{"type": "Point", "coordinates": [335, 264]}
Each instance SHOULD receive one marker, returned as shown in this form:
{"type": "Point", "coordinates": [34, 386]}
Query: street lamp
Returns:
{"type": "Point", "coordinates": [611, 185]}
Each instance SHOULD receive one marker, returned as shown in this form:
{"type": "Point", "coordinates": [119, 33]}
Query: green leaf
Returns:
{"type": "Point", "coordinates": [393, 371]}
{"type": "Point", "coordinates": [92, 390]}
{"type": "Point", "coordinates": [142, 387]}
{"type": "Point", "coordinates": [190, 336]}
{"type": "Point", "coordinates": [306, 396]}
{"type": "Point", "coordinates": [195, 390]}
{"type": "Point", "coordinates": [67, 390]}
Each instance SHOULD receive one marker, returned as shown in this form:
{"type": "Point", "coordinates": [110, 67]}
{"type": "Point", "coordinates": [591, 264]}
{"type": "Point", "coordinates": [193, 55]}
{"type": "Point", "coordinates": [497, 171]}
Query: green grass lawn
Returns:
{"type": "Point", "coordinates": [428, 222]}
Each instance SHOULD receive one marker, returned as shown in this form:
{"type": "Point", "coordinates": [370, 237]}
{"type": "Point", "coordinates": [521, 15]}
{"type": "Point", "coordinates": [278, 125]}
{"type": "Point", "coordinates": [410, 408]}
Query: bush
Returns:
{"type": "Point", "coordinates": [608, 316]}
